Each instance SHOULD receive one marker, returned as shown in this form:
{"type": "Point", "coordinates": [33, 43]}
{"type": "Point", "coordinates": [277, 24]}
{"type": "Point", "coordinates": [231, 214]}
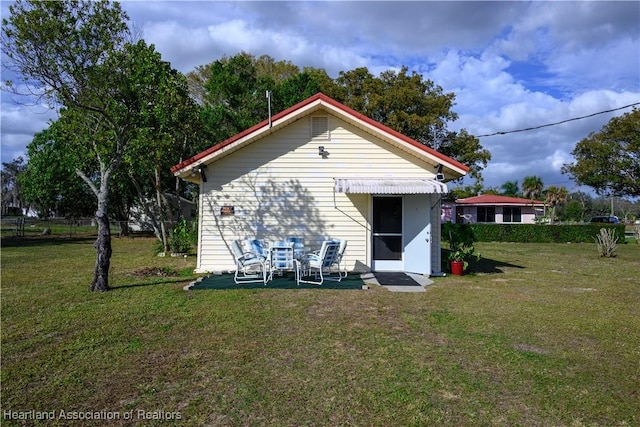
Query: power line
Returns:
{"type": "Point", "coordinates": [558, 123]}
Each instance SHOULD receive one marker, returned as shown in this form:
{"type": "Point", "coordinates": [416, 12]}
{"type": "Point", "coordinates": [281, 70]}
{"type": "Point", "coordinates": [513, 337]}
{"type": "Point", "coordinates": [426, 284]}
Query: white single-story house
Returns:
{"type": "Point", "coordinates": [491, 208]}
{"type": "Point", "coordinates": [321, 170]}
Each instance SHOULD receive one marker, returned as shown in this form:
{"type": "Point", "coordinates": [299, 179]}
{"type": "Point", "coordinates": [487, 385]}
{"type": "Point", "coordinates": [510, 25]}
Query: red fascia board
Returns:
{"type": "Point", "coordinates": [334, 103]}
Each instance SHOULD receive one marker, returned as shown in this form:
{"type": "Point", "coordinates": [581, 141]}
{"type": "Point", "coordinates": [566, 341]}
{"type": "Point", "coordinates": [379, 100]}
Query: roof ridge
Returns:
{"type": "Point", "coordinates": [329, 101]}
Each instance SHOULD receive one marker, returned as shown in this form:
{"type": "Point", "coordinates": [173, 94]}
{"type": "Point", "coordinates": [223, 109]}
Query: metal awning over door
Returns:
{"type": "Point", "coordinates": [390, 186]}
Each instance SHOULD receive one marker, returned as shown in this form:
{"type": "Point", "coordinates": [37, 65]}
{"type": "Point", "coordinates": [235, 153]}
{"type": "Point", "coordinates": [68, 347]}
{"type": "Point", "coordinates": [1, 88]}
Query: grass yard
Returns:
{"type": "Point", "coordinates": [540, 334]}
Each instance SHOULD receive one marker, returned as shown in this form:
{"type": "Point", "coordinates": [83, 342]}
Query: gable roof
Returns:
{"type": "Point", "coordinates": [493, 199]}
{"type": "Point", "coordinates": [314, 103]}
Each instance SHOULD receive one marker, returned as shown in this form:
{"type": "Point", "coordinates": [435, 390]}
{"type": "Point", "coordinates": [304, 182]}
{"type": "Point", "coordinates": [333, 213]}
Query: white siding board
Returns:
{"type": "Point", "coordinates": [436, 209]}
{"type": "Point", "coordinates": [280, 186]}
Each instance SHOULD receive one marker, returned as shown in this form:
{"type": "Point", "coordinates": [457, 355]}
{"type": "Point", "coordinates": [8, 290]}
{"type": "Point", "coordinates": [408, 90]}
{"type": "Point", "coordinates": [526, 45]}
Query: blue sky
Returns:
{"type": "Point", "coordinates": [511, 65]}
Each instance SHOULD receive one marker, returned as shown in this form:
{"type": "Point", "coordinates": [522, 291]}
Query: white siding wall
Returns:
{"type": "Point", "coordinates": [436, 210]}
{"type": "Point", "coordinates": [280, 186]}
{"type": "Point", "coordinates": [528, 214]}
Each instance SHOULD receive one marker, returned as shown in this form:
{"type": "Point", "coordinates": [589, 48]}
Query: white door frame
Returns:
{"type": "Point", "coordinates": [386, 265]}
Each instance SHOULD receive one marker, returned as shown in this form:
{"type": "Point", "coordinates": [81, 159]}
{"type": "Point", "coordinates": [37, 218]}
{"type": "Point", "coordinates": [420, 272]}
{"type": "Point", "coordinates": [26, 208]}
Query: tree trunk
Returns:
{"type": "Point", "coordinates": [163, 231]}
{"type": "Point", "coordinates": [103, 258]}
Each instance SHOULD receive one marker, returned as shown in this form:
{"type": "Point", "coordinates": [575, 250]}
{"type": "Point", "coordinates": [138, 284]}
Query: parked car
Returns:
{"type": "Point", "coordinates": [608, 219]}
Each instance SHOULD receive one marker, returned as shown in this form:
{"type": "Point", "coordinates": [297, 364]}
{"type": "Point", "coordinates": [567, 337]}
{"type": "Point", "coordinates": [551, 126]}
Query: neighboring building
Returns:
{"type": "Point", "coordinates": [489, 208]}
{"type": "Point", "coordinates": [140, 220]}
{"type": "Point", "coordinates": [321, 170]}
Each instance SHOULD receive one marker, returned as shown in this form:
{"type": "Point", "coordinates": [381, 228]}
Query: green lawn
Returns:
{"type": "Point", "coordinates": [539, 334]}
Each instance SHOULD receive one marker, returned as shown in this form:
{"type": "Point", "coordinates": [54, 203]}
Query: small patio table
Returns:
{"type": "Point", "coordinates": [281, 256]}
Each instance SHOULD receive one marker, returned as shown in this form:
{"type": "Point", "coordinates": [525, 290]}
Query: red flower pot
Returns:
{"type": "Point", "coordinates": [457, 268]}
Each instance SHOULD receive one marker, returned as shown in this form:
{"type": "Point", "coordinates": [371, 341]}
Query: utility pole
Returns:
{"type": "Point", "coordinates": [268, 94]}
{"type": "Point", "coordinates": [612, 205]}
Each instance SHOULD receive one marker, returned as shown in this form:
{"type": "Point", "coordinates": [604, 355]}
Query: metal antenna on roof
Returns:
{"type": "Point", "coordinates": [269, 104]}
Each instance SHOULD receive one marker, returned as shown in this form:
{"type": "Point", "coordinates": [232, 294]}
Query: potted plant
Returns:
{"type": "Point", "coordinates": [461, 247]}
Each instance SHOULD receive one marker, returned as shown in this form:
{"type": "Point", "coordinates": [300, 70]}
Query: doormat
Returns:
{"type": "Point", "coordinates": [395, 279]}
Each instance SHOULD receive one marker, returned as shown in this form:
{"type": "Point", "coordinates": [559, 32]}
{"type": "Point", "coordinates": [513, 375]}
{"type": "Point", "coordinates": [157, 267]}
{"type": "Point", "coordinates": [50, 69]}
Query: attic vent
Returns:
{"type": "Point", "coordinates": [320, 127]}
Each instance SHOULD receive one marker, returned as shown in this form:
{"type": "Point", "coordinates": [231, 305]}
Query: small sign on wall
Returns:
{"type": "Point", "coordinates": [227, 210]}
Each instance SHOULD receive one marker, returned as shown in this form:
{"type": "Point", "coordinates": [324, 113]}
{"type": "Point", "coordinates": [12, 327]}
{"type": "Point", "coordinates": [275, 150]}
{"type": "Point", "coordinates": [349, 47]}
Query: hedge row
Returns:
{"type": "Point", "coordinates": [534, 233]}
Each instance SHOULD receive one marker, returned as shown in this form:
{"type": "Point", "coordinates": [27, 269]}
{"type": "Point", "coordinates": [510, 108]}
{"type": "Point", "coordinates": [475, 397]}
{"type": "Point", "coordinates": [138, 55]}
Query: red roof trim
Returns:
{"type": "Point", "coordinates": [323, 98]}
{"type": "Point", "coordinates": [493, 199]}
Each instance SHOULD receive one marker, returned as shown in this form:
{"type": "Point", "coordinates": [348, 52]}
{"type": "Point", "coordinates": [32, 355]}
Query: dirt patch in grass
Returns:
{"type": "Point", "coordinates": [154, 272]}
{"type": "Point", "coordinates": [530, 348]}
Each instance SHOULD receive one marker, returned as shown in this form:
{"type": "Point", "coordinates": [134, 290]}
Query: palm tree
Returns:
{"type": "Point", "coordinates": [510, 188]}
{"type": "Point", "coordinates": [556, 196]}
{"type": "Point", "coordinates": [532, 187]}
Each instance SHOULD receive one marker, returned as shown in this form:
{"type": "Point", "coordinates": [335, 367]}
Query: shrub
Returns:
{"type": "Point", "coordinates": [532, 233]}
{"type": "Point", "coordinates": [606, 242]}
{"type": "Point", "coordinates": [182, 237]}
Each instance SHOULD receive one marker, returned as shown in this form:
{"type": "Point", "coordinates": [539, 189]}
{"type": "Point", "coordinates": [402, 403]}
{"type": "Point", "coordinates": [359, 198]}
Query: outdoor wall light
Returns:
{"type": "Point", "coordinates": [322, 152]}
{"type": "Point", "coordinates": [200, 170]}
{"type": "Point", "coordinates": [439, 174]}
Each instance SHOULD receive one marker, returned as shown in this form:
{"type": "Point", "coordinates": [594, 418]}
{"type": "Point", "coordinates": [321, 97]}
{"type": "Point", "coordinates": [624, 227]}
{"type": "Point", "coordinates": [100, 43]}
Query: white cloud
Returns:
{"type": "Point", "coordinates": [185, 52]}
{"type": "Point", "coordinates": [614, 66]}
{"type": "Point", "coordinates": [19, 124]}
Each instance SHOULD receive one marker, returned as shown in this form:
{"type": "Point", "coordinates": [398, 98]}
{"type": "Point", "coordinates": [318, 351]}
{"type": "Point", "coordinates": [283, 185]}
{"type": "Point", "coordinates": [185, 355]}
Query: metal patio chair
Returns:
{"type": "Point", "coordinates": [315, 268]}
{"type": "Point", "coordinates": [251, 265]}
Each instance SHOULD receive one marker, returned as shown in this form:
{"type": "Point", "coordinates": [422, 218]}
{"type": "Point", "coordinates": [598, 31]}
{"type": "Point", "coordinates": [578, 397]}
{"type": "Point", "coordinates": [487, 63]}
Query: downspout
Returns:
{"type": "Point", "coordinates": [335, 205]}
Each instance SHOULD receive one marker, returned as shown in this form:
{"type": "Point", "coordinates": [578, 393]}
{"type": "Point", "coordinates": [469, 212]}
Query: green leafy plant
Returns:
{"type": "Point", "coordinates": [182, 237]}
{"type": "Point", "coordinates": [462, 253]}
{"type": "Point", "coordinates": [461, 244]}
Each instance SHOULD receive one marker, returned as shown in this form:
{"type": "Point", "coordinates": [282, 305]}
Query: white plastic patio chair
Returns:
{"type": "Point", "coordinates": [251, 266]}
{"type": "Point", "coordinates": [317, 266]}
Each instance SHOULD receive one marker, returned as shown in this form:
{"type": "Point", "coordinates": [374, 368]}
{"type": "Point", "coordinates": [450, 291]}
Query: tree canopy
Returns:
{"type": "Point", "coordinates": [50, 181]}
{"type": "Point", "coordinates": [232, 91]}
{"type": "Point", "coordinates": [609, 161]}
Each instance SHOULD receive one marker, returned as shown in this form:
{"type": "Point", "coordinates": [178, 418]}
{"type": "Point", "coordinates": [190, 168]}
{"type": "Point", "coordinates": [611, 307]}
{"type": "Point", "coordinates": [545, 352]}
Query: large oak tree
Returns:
{"type": "Point", "coordinates": [609, 161]}
{"type": "Point", "coordinates": [114, 93]}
